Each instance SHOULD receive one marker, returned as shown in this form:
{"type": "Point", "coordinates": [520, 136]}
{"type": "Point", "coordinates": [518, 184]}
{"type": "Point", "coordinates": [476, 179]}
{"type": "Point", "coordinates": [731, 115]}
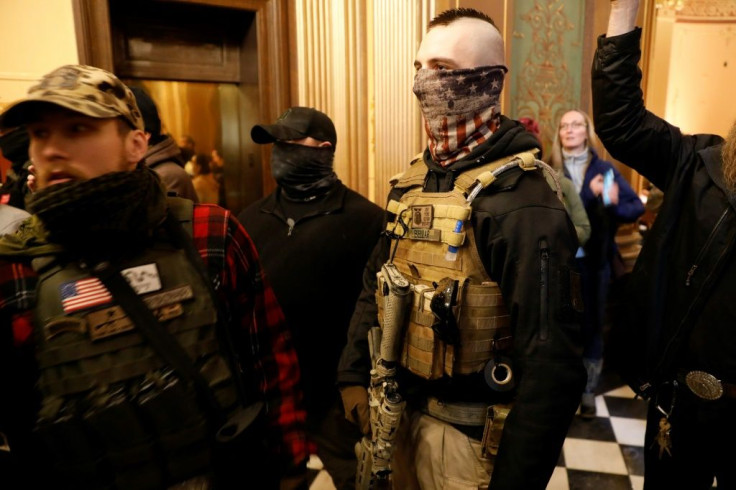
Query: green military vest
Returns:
{"type": "Point", "coordinates": [113, 413]}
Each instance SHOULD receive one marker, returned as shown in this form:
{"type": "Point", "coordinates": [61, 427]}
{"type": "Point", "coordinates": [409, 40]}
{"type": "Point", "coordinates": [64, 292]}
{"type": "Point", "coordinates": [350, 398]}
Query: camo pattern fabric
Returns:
{"type": "Point", "coordinates": [88, 90]}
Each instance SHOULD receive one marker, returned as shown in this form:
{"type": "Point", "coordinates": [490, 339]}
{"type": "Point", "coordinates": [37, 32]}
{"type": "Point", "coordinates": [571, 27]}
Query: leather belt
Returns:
{"type": "Point", "coordinates": [196, 483]}
{"type": "Point", "coordinates": [460, 413]}
{"type": "Point", "coordinates": [706, 386]}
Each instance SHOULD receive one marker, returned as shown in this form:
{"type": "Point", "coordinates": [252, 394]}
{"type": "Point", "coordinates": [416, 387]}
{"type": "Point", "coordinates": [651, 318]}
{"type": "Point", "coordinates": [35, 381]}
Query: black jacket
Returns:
{"type": "Point", "coordinates": [315, 265]}
{"type": "Point", "coordinates": [681, 288]}
{"type": "Point", "coordinates": [519, 224]}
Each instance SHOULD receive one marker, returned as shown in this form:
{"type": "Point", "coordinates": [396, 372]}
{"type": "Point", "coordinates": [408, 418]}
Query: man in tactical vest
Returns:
{"type": "Point", "coordinates": [146, 321]}
{"type": "Point", "coordinates": [474, 291]}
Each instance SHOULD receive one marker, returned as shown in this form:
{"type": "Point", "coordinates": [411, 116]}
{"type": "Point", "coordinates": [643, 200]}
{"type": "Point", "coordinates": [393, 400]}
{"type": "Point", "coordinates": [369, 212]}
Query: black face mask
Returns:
{"type": "Point", "coordinates": [302, 171]}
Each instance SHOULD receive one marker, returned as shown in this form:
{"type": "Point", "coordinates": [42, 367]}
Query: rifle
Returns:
{"type": "Point", "coordinates": [385, 401]}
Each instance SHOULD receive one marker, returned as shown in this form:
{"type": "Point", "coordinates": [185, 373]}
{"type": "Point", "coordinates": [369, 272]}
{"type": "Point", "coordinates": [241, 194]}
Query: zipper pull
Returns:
{"type": "Point", "coordinates": [690, 274]}
{"type": "Point", "coordinates": [544, 248]}
{"type": "Point", "coordinates": [291, 224]}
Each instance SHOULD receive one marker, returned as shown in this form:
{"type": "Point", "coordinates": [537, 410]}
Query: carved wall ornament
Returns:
{"type": "Point", "coordinates": [700, 8]}
{"type": "Point", "coordinates": [545, 85]}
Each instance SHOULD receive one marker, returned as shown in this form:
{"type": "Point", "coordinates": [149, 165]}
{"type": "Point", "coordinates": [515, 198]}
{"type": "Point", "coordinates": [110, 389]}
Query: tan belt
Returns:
{"type": "Point", "coordinates": [706, 386]}
{"type": "Point", "coordinates": [460, 413]}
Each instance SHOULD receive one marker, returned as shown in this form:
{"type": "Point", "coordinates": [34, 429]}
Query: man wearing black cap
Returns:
{"type": "Point", "coordinates": [314, 236]}
{"type": "Point", "coordinates": [163, 155]}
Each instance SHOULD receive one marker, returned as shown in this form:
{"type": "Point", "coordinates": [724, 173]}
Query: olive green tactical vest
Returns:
{"type": "Point", "coordinates": [92, 358]}
{"type": "Point", "coordinates": [428, 224]}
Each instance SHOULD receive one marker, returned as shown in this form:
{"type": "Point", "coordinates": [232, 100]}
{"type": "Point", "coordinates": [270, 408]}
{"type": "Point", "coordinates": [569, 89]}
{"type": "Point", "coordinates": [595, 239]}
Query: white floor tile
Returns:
{"type": "Point", "coordinates": [322, 482]}
{"type": "Point", "coordinates": [637, 482]}
{"type": "Point", "coordinates": [559, 480]}
{"type": "Point", "coordinates": [629, 431]}
{"type": "Point", "coordinates": [597, 456]}
{"type": "Point", "coordinates": [622, 392]}
{"type": "Point", "coordinates": [314, 463]}
{"type": "Point", "coordinates": [601, 409]}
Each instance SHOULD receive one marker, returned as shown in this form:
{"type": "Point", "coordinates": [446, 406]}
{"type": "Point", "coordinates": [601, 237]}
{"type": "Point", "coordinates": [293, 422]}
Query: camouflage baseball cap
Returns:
{"type": "Point", "coordinates": [88, 90]}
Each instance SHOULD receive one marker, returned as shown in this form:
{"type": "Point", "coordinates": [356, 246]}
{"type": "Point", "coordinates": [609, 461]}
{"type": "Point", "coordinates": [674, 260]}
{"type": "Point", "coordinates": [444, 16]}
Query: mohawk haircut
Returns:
{"type": "Point", "coordinates": [449, 16]}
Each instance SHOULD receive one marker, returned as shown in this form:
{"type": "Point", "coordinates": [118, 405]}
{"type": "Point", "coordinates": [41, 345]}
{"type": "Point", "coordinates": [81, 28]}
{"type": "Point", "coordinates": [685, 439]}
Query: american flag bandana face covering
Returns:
{"type": "Point", "coordinates": [461, 108]}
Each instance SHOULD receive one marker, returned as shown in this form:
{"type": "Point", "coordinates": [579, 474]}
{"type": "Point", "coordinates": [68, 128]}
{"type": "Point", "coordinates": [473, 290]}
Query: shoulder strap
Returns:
{"type": "Point", "coordinates": [183, 211]}
{"type": "Point", "coordinates": [412, 177]}
{"type": "Point", "coordinates": [483, 174]}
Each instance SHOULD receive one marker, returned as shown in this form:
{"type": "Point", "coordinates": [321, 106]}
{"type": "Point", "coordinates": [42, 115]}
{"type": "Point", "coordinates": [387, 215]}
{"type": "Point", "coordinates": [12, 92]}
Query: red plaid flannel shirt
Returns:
{"type": "Point", "coordinates": [268, 351]}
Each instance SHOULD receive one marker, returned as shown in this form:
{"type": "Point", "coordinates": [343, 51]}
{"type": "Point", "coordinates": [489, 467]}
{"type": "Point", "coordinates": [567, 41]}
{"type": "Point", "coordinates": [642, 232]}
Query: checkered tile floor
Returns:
{"type": "Point", "coordinates": [605, 453]}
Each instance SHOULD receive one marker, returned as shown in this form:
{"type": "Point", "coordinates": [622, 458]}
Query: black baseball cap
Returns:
{"type": "Point", "coordinates": [151, 119]}
{"type": "Point", "coordinates": [294, 124]}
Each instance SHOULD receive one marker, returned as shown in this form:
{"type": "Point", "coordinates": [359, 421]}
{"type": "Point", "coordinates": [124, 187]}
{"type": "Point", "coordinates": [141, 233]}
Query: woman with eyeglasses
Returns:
{"type": "Point", "coordinates": [609, 201]}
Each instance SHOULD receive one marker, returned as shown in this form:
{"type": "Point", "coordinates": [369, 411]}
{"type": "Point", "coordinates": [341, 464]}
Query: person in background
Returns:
{"type": "Point", "coordinates": [99, 393]}
{"type": "Point", "coordinates": [163, 155]}
{"type": "Point", "coordinates": [204, 182]}
{"type": "Point", "coordinates": [187, 148]}
{"type": "Point", "coordinates": [217, 167]}
{"type": "Point", "coordinates": [533, 127]}
{"type": "Point", "coordinates": [14, 147]}
{"type": "Point", "coordinates": [11, 218]}
{"type": "Point", "coordinates": [570, 196]}
{"type": "Point", "coordinates": [680, 344]}
{"type": "Point", "coordinates": [314, 236]}
{"type": "Point", "coordinates": [14, 150]}
{"type": "Point", "coordinates": [609, 201]}
{"type": "Point", "coordinates": [493, 286]}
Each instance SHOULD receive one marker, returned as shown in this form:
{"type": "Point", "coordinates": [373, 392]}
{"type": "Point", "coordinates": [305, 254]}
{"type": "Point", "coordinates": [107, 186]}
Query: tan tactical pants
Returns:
{"type": "Point", "coordinates": [433, 455]}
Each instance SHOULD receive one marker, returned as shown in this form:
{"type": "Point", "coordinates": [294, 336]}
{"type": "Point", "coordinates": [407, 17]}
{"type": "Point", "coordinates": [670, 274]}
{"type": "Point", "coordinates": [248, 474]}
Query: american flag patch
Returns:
{"type": "Point", "coordinates": [82, 294]}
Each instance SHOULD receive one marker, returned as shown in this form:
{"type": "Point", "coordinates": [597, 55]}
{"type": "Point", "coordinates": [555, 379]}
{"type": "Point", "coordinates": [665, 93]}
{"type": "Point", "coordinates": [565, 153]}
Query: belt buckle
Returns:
{"type": "Point", "coordinates": [704, 385]}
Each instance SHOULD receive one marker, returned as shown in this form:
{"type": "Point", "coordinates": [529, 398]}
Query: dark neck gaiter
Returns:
{"type": "Point", "coordinates": [302, 172]}
{"type": "Point", "coordinates": [101, 218]}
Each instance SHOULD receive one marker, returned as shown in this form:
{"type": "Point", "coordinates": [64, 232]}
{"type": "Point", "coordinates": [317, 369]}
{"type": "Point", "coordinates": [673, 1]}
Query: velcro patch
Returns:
{"type": "Point", "coordinates": [424, 234]}
{"type": "Point", "coordinates": [168, 297]}
{"type": "Point", "coordinates": [421, 216]}
{"type": "Point", "coordinates": [143, 279]}
{"type": "Point", "coordinates": [107, 322]}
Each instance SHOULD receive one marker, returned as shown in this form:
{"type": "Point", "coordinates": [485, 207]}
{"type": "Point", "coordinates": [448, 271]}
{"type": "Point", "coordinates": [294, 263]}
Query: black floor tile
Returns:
{"type": "Point", "coordinates": [586, 480]}
{"type": "Point", "coordinates": [608, 381]}
{"type": "Point", "coordinates": [561, 459]}
{"type": "Point", "coordinates": [634, 459]}
{"type": "Point", "coordinates": [596, 429]}
{"type": "Point", "coordinates": [311, 475]}
{"type": "Point", "coordinates": [632, 408]}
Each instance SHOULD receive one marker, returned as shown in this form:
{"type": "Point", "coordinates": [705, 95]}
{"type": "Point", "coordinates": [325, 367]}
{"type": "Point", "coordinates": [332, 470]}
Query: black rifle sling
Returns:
{"type": "Point", "coordinates": [161, 340]}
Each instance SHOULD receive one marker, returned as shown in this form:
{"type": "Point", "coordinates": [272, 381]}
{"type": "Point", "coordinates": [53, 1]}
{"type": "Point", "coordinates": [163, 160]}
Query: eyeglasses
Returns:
{"type": "Point", "coordinates": [575, 125]}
